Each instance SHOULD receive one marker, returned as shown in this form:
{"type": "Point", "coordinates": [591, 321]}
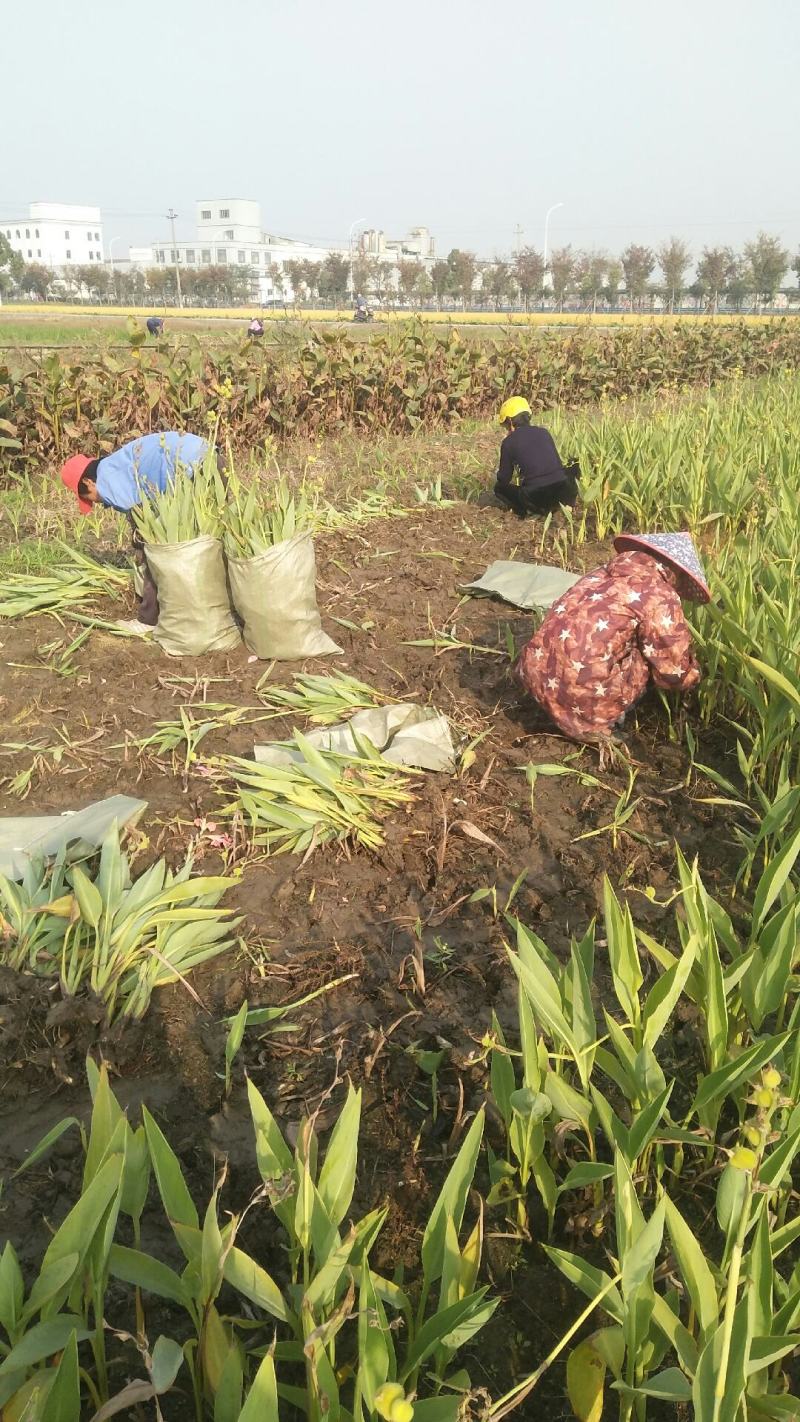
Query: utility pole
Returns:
{"type": "Point", "coordinates": [171, 218]}
{"type": "Point", "coordinates": [518, 234]}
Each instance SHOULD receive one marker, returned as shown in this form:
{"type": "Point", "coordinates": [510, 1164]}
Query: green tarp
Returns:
{"type": "Point", "coordinates": [40, 836]}
{"type": "Point", "coordinates": [525, 585]}
{"type": "Point", "coordinates": [417, 736]}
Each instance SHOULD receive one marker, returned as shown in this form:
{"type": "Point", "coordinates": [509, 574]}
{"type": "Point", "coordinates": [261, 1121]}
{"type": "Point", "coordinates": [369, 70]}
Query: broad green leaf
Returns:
{"type": "Point", "coordinates": [589, 1172]}
{"type": "Point", "coordinates": [77, 1232]}
{"type": "Point", "coordinates": [626, 969]}
{"type": "Point", "coordinates": [212, 1253]}
{"type": "Point", "coordinates": [568, 1103]}
{"type": "Point", "coordinates": [375, 1347]}
{"type": "Point", "coordinates": [46, 1142]}
{"type": "Point", "coordinates": [590, 1280]}
{"type": "Point", "coordinates": [773, 880]}
{"type": "Point", "coordinates": [172, 1187]}
{"type": "Point", "coordinates": [260, 1404]}
{"type": "Point", "coordinates": [51, 1281]}
{"type": "Point", "coordinates": [42, 1341]}
{"type": "Point", "coordinates": [338, 1173]}
{"type": "Point", "coordinates": [639, 1259]}
{"type": "Point", "coordinates": [63, 1402]}
{"type": "Point", "coordinates": [167, 1359]}
{"type": "Point", "coordinates": [586, 1376]}
{"type": "Point", "coordinates": [275, 1160]}
{"type": "Point", "coordinates": [663, 997]}
{"type": "Point", "coordinates": [12, 1289]}
{"type": "Point", "coordinates": [670, 1386]}
{"type": "Point", "coordinates": [90, 900]}
{"type": "Point", "coordinates": [228, 1398]}
{"type": "Point", "coordinates": [451, 1200]}
{"type": "Point", "coordinates": [437, 1327]}
{"type": "Point", "coordinates": [645, 1123]}
{"type": "Point", "coordinates": [248, 1278]}
{"type": "Point", "coordinates": [732, 1191]}
{"type": "Point", "coordinates": [144, 1272]}
{"type": "Point", "coordinates": [693, 1269]}
{"type": "Point", "coordinates": [717, 1391]}
{"type": "Point", "coordinates": [727, 1078]}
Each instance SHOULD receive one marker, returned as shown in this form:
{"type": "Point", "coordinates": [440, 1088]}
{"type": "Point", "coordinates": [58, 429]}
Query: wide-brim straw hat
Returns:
{"type": "Point", "coordinates": [678, 552]}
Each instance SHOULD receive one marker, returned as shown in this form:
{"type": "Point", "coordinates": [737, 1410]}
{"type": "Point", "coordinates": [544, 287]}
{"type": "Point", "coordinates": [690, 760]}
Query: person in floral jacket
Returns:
{"type": "Point", "coordinates": [615, 631]}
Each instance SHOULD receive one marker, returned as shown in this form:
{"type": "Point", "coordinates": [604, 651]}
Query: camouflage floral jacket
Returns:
{"type": "Point", "coordinates": [596, 650]}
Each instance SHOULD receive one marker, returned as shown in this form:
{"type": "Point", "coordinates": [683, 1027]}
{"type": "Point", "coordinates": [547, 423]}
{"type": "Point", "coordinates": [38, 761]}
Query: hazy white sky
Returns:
{"type": "Point", "coordinates": [470, 118]}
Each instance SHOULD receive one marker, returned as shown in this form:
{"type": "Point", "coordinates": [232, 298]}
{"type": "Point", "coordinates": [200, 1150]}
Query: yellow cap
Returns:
{"type": "Point", "coordinates": [515, 406]}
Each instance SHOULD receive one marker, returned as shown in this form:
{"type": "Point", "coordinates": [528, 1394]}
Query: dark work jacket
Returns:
{"type": "Point", "coordinates": [531, 451]}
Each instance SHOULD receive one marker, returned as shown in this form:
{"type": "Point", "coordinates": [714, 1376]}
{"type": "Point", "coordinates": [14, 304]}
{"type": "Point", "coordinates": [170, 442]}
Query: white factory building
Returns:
{"type": "Point", "coordinates": [228, 232]}
{"type": "Point", "coordinates": [57, 234]}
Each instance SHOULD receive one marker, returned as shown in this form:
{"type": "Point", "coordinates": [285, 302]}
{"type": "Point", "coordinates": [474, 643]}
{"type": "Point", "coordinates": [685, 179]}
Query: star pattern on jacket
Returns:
{"type": "Point", "coordinates": [625, 627]}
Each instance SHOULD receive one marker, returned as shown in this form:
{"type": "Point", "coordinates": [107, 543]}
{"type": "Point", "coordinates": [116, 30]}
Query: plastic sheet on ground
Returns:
{"type": "Point", "coordinates": [416, 736]}
{"type": "Point", "coordinates": [39, 836]}
{"type": "Point", "coordinates": [524, 585]}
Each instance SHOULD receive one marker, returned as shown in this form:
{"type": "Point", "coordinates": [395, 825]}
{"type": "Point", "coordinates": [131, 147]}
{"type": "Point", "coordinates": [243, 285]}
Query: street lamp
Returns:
{"type": "Point", "coordinates": [548, 215]}
{"type": "Point", "coordinates": [353, 226]}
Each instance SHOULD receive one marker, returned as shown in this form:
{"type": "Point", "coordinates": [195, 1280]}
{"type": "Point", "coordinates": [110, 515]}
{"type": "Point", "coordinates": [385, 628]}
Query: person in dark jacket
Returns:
{"type": "Point", "coordinates": [155, 325]}
{"type": "Point", "coordinates": [530, 452]}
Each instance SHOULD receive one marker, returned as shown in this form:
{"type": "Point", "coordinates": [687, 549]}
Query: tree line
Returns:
{"type": "Point", "coordinates": [639, 277]}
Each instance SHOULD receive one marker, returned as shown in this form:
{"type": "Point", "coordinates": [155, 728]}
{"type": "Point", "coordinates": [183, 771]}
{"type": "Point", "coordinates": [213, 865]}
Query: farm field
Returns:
{"type": "Point", "coordinates": [566, 995]}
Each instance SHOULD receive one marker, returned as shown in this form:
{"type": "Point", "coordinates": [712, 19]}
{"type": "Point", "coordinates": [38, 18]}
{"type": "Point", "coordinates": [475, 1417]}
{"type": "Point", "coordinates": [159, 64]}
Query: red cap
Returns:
{"type": "Point", "coordinates": [71, 475]}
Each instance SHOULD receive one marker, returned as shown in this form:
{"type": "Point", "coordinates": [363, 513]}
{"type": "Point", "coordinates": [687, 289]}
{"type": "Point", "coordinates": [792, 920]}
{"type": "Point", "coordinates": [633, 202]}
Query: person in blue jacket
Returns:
{"type": "Point", "coordinates": [122, 479]}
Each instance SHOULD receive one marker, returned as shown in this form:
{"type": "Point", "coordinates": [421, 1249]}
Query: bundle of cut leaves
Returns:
{"type": "Point", "coordinates": [190, 507]}
{"type": "Point", "coordinates": [325, 796]}
{"type": "Point", "coordinates": [118, 937]}
{"type": "Point", "coordinates": [63, 586]}
{"type": "Point", "coordinates": [255, 522]}
{"type": "Point", "coordinates": [322, 699]}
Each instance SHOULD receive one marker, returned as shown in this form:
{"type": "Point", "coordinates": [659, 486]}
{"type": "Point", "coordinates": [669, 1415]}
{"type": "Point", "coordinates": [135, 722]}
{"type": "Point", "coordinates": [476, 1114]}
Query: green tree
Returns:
{"type": "Point", "coordinates": [638, 264]}
{"type": "Point", "coordinates": [363, 274]}
{"type": "Point", "coordinates": [768, 263]}
{"type": "Point", "coordinates": [529, 273]}
{"type": "Point", "coordinates": [408, 275]}
{"type": "Point", "coordinates": [11, 266]}
{"type": "Point", "coordinates": [562, 271]}
{"type": "Point", "coordinates": [37, 279]}
{"type": "Point", "coordinates": [498, 282]}
{"type": "Point", "coordinates": [590, 276]}
{"type": "Point", "coordinates": [334, 278]}
{"type": "Point", "coordinates": [740, 282]}
{"type": "Point", "coordinates": [614, 275]}
{"type": "Point", "coordinates": [424, 287]}
{"type": "Point", "coordinates": [674, 258]}
{"type": "Point", "coordinates": [440, 281]}
{"type": "Point", "coordinates": [714, 271]}
{"type": "Point", "coordinates": [463, 268]}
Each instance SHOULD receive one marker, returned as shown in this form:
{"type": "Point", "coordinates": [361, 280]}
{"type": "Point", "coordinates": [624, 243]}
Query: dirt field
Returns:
{"type": "Point", "coordinates": [428, 966]}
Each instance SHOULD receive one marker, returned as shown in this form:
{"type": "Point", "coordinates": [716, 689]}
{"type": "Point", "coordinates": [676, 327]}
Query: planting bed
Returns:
{"type": "Point", "coordinates": [425, 965]}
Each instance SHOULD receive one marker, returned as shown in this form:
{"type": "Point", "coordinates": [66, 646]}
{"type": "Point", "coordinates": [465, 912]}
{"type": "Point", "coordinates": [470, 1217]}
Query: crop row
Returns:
{"type": "Point", "coordinates": [409, 377]}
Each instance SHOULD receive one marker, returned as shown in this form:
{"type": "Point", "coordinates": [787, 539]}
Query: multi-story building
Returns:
{"type": "Point", "coordinates": [418, 244]}
{"type": "Point", "coordinates": [229, 233]}
{"type": "Point", "coordinates": [57, 234]}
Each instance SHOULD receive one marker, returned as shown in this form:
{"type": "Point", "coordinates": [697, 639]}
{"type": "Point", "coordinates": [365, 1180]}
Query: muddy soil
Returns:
{"type": "Point", "coordinates": [426, 966]}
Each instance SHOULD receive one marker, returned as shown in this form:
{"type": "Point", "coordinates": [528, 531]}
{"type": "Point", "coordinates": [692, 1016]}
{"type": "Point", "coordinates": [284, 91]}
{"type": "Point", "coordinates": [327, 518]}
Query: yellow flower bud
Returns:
{"type": "Point", "coordinates": [752, 1135]}
{"type": "Point", "coordinates": [401, 1411]}
{"type": "Point", "coordinates": [771, 1078]}
{"type": "Point", "coordinates": [764, 1098]}
{"type": "Point", "coordinates": [743, 1159]}
{"type": "Point", "coordinates": [387, 1397]}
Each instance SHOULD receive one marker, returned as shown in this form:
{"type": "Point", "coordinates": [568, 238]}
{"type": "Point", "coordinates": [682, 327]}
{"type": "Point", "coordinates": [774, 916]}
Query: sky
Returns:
{"type": "Point", "coordinates": [471, 119]}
